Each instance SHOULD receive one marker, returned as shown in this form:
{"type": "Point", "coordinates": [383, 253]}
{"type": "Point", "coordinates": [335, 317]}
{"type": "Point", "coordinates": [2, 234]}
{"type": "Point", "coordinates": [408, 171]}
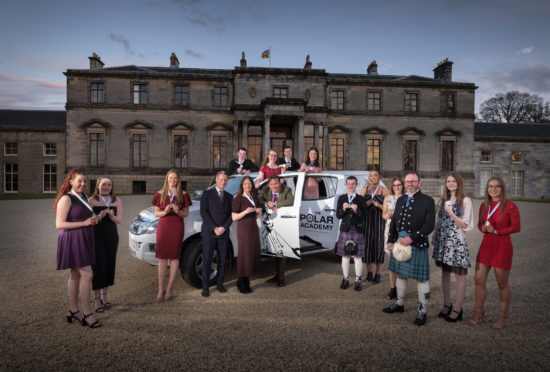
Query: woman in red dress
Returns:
{"type": "Point", "coordinates": [498, 218]}
{"type": "Point", "coordinates": [269, 167]}
{"type": "Point", "coordinates": [172, 206]}
{"type": "Point", "coordinates": [245, 209]}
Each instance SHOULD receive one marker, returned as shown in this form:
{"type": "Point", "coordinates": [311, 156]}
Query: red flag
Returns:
{"type": "Point", "coordinates": [265, 54]}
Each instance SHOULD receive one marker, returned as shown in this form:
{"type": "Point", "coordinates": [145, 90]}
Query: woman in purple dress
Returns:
{"type": "Point", "coordinates": [75, 244]}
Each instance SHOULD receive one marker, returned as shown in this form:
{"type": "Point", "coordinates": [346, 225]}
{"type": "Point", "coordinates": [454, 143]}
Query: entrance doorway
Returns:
{"type": "Point", "coordinates": [281, 137]}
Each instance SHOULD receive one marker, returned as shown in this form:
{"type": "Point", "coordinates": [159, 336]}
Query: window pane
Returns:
{"type": "Point", "coordinates": [373, 154]}
{"type": "Point", "coordinates": [484, 175]}
{"type": "Point", "coordinates": [219, 152]}
{"type": "Point", "coordinates": [11, 178]}
{"type": "Point", "coordinates": [181, 153]}
{"type": "Point", "coordinates": [336, 153]}
{"type": "Point", "coordinates": [50, 177]}
{"type": "Point", "coordinates": [517, 183]}
{"type": "Point", "coordinates": [409, 155]}
{"type": "Point", "coordinates": [447, 156]}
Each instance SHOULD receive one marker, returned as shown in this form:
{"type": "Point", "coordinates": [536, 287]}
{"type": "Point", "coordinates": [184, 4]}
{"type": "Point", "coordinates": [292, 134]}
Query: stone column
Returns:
{"type": "Point", "coordinates": [235, 139]}
{"type": "Point", "coordinates": [267, 135]}
{"type": "Point", "coordinates": [325, 150]}
{"type": "Point", "coordinates": [300, 138]}
{"type": "Point", "coordinates": [316, 136]}
{"type": "Point", "coordinates": [245, 134]}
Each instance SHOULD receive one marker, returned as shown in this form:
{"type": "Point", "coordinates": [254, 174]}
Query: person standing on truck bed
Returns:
{"type": "Point", "coordinates": [242, 165]}
{"type": "Point", "coordinates": [216, 219]}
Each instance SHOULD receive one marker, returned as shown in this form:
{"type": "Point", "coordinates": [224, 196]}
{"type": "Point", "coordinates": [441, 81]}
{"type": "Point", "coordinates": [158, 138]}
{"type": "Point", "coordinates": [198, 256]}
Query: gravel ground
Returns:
{"type": "Point", "coordinates": [309, 325]}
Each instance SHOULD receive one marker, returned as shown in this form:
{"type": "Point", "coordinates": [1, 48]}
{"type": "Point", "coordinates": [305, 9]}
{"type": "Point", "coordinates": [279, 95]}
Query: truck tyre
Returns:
{"type": "Point", "coordinates": [191, 264]}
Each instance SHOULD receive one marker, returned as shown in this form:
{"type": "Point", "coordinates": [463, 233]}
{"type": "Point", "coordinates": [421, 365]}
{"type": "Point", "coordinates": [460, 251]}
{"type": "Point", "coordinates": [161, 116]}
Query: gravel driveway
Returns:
{"type": "Point", "coordinates": [308, 325]}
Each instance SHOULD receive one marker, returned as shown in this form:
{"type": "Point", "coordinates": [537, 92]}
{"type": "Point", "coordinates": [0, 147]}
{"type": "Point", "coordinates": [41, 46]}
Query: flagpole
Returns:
{"type": "Point", "coordinates": [270, 56]}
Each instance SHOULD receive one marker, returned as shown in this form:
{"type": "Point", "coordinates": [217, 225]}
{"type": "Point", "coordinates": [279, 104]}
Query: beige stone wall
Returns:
{"type": "Point", "coordinates": [31, 158]}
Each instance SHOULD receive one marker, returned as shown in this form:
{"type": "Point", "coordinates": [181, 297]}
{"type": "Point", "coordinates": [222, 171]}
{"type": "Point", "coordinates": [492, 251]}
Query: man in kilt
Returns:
{"type": "Point", "coordinates": [412, 222]}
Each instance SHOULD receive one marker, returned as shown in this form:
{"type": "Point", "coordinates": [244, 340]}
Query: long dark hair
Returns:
{"type": "Point", "coordinates": [66, 186]}
{"type": "Point", "coordinates": [459, 192]}
{"type": "Point", "coordinates": [266, 161]}
{"type": "Point", "coordinates": [308, 160]}
{"type": "Point", "coordinates": [241, 190]}
{"type": "Point", "coordinates": [97, 192]}
{"type": "Point", "coordinates": [488, 198]}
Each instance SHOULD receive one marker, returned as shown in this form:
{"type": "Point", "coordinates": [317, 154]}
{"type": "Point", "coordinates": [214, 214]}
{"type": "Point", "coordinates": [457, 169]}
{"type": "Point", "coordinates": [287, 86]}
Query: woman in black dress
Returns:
{"type": "Point", "coordinates": [245, 209]}
{"type": "Point", "coordinates": [374, 225]}
{"type": "Point", "coordinates": [108, 208]}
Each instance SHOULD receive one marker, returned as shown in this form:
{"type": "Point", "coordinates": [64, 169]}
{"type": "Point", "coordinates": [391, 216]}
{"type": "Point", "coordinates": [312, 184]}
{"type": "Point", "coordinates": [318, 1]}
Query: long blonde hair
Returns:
{"type": "Point", "coordinates": [97, 192]}
{"type": "Point", "coordinates": [488, 198]}
{"type": "Point", "coordinates": [164, 192]}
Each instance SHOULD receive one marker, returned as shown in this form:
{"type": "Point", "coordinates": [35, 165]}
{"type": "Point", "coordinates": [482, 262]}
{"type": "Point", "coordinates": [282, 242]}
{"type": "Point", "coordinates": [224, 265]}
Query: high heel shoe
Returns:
{"type": "Point", "coordinates": [474, 321]}
{"type": "Point", "coordinates": [392, 294]}
{"type": "Point", "coordinates": [501, 321]}
{"type": "Point", "coordinates": [98, 309]}
{"type": "Point", "coordinates": [445, 314]}
{"type": "Point", "coordinates": [72, 316]}
{"type": "Point", "coordinates": [85, 323]}
{"type": "Point", "coordinates": [454, 320]}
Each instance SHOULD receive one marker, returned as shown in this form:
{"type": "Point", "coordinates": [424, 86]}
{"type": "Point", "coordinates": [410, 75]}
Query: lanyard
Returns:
{"type": "Point", "coordinates": [250, 199]}
{"type": "Point", "coordinates": [310, 165]}
{"type": "Point", "coordinates": [375, 191]}
{"type": "Point", "coordinates": [171, 196]}
{"type": "Point", "coordinates": [239, 162]}
{"type": "Point", "coordinates": [491, 212]}
{"type": "Point", "coordinates": [107, 203]}
{"type": "Point", "coordinates": [350, 198]}
{"type": "Point", "coordinates": [82, 201]}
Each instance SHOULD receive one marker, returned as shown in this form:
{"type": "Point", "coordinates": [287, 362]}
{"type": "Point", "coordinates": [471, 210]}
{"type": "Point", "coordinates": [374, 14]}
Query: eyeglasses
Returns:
{"type": "Point", "coordinates": [494, 186]}
{"type": "Point", "coordinates": [415, 181]}
{"type": "Point", "coordinates": [398, 185]}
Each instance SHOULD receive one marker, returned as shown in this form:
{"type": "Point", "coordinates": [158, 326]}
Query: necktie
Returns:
{"type": "Point", "coordinates": [220, 195]}
{"type": "Point", "coordinates": [409, 197]}
{"type": "Point", "coordinates": [274, 198]}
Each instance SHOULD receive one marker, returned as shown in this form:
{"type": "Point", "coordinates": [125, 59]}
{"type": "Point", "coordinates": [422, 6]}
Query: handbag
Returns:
{"type": "Point", "coordinates": [350, 248]}
{"type": "Point", "coordinates": [401, 252]}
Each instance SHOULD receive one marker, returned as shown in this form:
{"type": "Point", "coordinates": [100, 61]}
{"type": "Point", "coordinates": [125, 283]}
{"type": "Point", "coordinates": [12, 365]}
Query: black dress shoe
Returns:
{"type": "Point", "coordinates": [420, 319]}
{"type": "Point", "coordinates": [221, 288]}
{"type": "Point", "coordinates": [205, 293]}
{"type": "Point", "coordinates": [344, 284]}
{"type": "Point", "coordinates": [240, 283]}
{"type": "Point", "coordinates": [376, 279]}
{"type": "Point", "coordinates": [444, 314]}
{"type": "Point", "coordinates": [369, 277]}
{"type": "Point", "coordinates": [395, 308]}
{"type": "Point", "coordinates": [358, 286]}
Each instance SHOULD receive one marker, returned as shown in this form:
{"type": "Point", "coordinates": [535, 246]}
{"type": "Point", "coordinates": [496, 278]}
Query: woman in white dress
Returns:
{"type": "Point", "coordinates": [451, 253]}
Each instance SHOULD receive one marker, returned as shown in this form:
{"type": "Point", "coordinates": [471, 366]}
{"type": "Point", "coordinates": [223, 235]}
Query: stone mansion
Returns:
{"type": "Point", "coordinates": [133, 123]}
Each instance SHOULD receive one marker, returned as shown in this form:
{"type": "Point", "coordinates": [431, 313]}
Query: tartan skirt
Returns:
{"type": "Point", "coordinates": [417, 268]}
{"type": "Point", "coordinates": [357, 237]}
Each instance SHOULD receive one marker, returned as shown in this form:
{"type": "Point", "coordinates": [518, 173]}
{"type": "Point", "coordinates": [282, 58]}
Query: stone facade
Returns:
{"type": "Point", "coordinates": [32, 153]}
{"type": "Point", "coordinates": [358, 121]}
{"type": "Point", "coordinates": [519, 153]}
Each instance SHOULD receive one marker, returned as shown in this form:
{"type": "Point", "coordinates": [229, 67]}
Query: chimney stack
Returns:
{"type": "Point", "coordinates": [308, 64]}
{"type": "Point", "coordinates": [444, 70]}
{"type": "Point", "coordinates": [174, 62]}
{"type": "Point", "coordinates": [95, 62]}
{"type": "Point", "coordinates": [243, 60]}
{"type": "Point", "coordinates": [373, 68]}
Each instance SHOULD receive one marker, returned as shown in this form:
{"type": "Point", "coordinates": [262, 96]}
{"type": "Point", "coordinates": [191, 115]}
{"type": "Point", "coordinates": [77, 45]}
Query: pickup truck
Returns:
{"type": "Point", "coordinates": [306, 227]}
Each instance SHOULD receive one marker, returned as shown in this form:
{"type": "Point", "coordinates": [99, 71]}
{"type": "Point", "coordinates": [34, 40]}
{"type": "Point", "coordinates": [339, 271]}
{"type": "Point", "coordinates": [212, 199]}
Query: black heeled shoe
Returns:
{"type": "Point", "coordinates": [95, 324]}
{"type": "Point", "coordinates": [72, 316]}
{"type": "Point", "coordinates": [392, 294]}
{"type": "Point", "coordinates": [369, 277]}
{"type": "Point", "coordinates": [98, 309]}
{"type": "Point", "coordinates": [443, 314]}
{"type": "Point", "coordinates": [454, 320]}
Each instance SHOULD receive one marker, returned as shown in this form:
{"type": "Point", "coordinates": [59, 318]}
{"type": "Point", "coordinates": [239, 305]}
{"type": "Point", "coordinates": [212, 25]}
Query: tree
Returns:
{"type": "Point", "coordinates": [515, 107]}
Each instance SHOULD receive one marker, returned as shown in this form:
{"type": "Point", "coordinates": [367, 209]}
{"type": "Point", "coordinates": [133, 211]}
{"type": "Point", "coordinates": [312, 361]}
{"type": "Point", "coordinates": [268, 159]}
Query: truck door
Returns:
{"type": "Point", "coordinates": [318, 222]}
{"type": "Point", "coordinates": [279, 231]}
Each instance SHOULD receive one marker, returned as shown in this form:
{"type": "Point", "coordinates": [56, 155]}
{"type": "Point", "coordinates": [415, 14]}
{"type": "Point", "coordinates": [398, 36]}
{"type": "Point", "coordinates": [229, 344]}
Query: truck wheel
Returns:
{"type": "Point", "coordinates": [191, 265]}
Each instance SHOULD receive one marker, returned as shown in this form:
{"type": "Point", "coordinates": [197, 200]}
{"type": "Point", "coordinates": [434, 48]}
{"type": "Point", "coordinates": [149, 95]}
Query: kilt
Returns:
{"type": "Point", "coordinates": [357, 237]}
{"type": "Point", "coordinates": [417, 268]}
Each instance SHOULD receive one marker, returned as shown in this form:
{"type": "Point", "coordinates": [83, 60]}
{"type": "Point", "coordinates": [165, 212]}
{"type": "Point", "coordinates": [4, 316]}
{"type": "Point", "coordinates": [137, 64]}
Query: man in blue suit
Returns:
{"type": "Point", "coordinates": [216, 219]}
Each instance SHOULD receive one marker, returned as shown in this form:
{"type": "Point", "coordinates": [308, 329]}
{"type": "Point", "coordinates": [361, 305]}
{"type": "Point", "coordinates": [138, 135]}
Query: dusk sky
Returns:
{"type": "Point", "coordinates": [500, 45]}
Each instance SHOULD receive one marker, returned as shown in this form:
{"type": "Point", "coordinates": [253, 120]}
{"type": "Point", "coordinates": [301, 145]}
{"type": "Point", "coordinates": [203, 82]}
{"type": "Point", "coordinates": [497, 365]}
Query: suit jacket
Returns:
{"type": "Point", "coordinates": [294, 165]}
{"type": "Point", "coordinates": [284, 199]}
{"type": "Point", "coordinates": [214, 212]}
{"type": "Point", "coordinates": [348, 217]}
{"type": "Point", "coordinates": [418, 219]}
{"type": "Point", "coordinates": [247, 165]}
